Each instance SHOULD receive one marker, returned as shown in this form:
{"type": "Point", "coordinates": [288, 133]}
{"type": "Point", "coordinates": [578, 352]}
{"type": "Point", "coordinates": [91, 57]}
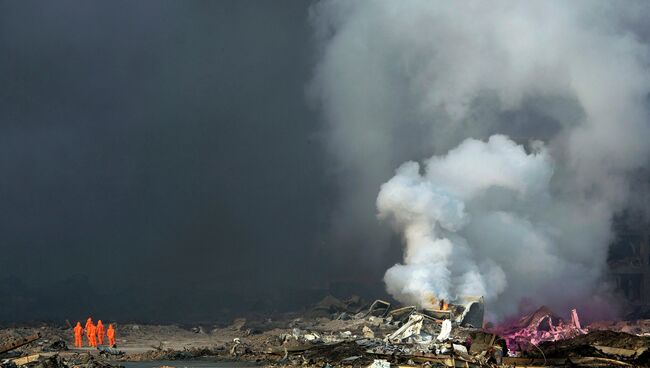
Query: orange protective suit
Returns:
{"type": "Point", "coordinates": [89, 322]}
{"type": "Point", "coordinates": [92, 336]}
{"type": "Point", "coordinates": [100, 332]}
{"type": "Point", "coordinates": [110, 333]}
{"type": "Point", "coordinates": [78, 331]}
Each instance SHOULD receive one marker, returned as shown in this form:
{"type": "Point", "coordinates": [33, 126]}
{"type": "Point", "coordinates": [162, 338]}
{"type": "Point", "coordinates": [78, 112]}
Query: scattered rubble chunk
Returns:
{"type": "Point", "coordinates": [14, 344]}
{"type": "Point", "coordinates": [378, 308]}
{"type": "Point", "coordinates": [368, 333]}
{"type": "Point", "coordinates": [26, 359]}
{"type": "Point", "coordinates": [105, 350]}
{"type": "Point", "coordinates": [58, 345]}
{"type": "Point", "coordinates": [445, 330]}
{"type": "Point", "coordinates": [380, 363]}
{"type": "Point", "coordinates": [410, 328]}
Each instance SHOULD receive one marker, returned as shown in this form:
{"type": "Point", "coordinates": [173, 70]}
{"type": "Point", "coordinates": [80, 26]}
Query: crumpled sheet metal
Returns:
{"type": "Point", "coordinates": [410, 328]}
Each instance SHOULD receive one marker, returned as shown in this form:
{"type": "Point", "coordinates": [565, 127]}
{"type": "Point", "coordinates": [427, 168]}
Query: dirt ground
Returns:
{"type": "Point", "coordinates": [262, 341]}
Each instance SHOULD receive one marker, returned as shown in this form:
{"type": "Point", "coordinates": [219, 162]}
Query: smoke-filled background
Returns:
{"type": "Point", "coordinates": [521, 216]}
{"type": "Point", "coordinates": [191, 161]}
{"type": "Point", "coordinates": [155, 156]}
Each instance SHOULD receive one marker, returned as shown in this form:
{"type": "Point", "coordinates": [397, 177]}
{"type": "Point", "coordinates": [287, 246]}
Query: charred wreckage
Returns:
{"type": "Point", "coordinates": [451, 335]}
{"type": "Point", "coordinates": [353, 333]}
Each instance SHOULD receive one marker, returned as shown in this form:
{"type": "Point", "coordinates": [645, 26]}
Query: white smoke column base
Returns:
{"type": "Point", "coordinates": [481, 221]}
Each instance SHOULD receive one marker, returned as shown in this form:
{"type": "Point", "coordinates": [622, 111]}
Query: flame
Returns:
{"type": "Point", "coordinates": [441, 304]}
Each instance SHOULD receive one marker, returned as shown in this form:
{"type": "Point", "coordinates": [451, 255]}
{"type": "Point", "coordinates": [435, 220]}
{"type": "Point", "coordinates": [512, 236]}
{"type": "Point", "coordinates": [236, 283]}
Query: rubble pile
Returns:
{"type": "Point", "coordinates": [56, 361]}
{"type": "Point", "coordinates": [352, 333]}
{"type": "Point", "coordinates": [20, 349]}
{"type": "Point", "coordinates": [167, 354]}
{"type": "Point", "coordinates": [539, 326]}
{"type": "Point", "coordinates": [382, 337]}
{"type": "Point", "coordinates": [602, 344]}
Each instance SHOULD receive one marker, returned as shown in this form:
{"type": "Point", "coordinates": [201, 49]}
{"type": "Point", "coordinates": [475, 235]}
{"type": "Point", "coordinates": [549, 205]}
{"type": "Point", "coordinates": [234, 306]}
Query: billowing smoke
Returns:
{"type": "Point", "coordinates": [535, 112]}
{"type": "Point", "coordinates": [481, 221]}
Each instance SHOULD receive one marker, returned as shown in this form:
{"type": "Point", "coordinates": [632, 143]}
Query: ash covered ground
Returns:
{"type": "Point", "coordinates": [348, 333]}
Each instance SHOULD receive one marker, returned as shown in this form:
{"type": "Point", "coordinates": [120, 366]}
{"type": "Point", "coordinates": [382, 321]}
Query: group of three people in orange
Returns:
{"type": "Point", "coordinates": [95, 334]}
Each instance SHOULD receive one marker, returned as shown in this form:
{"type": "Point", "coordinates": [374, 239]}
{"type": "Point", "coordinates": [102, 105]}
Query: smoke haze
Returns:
{"type": "Point", "coordinates": [154, 152]}
{"type": "Point", "coordinates": [187, 161]}
{"type": "Point", "coordinates": [508, 216]}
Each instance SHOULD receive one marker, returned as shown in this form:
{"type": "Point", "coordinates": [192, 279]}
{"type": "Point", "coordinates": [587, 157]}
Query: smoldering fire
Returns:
{"type": "Point", "coordinates": [403, 81]}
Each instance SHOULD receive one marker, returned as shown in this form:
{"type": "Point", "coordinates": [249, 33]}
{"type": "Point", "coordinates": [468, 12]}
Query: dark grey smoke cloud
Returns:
{"type": "Point", "coordinates": [158, 159]}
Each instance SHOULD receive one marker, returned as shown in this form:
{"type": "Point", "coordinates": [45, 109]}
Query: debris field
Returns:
{"type": "Point", "coordinates": [351, 333]}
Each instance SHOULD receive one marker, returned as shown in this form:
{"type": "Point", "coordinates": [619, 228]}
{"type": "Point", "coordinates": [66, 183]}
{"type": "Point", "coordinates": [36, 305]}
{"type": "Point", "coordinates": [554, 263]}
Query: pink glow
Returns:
{"type": "Point", "coordinates": [536, 327]}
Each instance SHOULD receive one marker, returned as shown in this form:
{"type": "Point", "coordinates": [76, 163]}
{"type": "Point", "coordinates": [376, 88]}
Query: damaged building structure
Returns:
{"type": "Point", "coordinates": [629, 259]}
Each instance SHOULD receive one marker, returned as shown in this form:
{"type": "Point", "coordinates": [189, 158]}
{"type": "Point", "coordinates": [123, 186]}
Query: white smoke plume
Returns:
{"type": "Point", "coordinates": [481, 221]}
{"type": "Point", "coordinates": [535, 112]}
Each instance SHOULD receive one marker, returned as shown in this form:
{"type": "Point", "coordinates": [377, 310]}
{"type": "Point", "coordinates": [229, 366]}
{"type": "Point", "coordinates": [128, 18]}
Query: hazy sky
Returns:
{"type": "Point", "coordinates": [164, 144]}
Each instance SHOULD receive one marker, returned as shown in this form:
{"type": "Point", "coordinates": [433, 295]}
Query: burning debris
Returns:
{"type": "Point", "coordinates": [390, 335]}
{"type": "Point", "coordinates": [344, 333]}
{"type": "Point", "coordinates": [382, 336]}
{"type": "Point", "coordinates": [539, 326]}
